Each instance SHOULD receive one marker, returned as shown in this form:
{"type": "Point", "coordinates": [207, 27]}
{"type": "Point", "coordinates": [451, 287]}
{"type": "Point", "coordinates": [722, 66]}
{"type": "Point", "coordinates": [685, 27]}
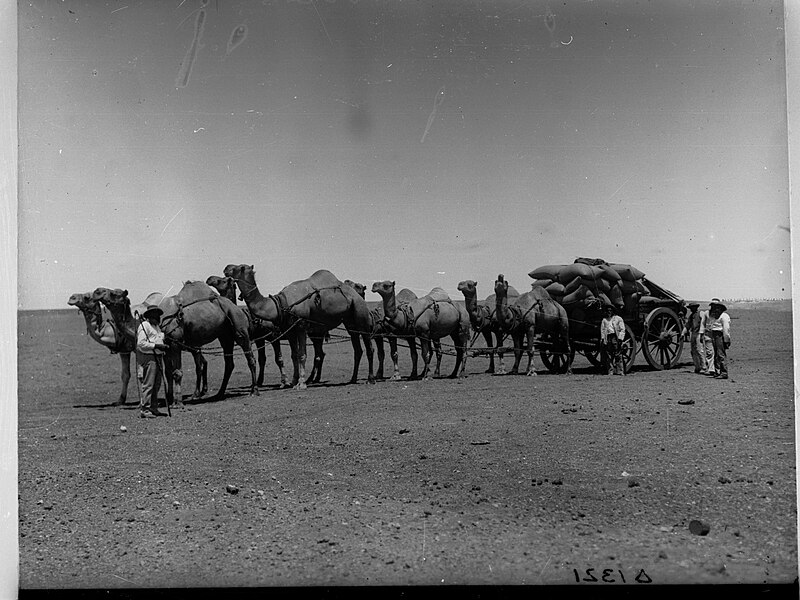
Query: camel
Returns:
{"type": "Point", "coordinates": [309, 307]}
{"type": "Point", "coordinates": [429, 318]}
{"type": "Point", "coordinates": [126, 319]}
{"type": "Point", "coordinates": [101, 328]}
{"type": "Point", "coordinates": [481, 316]}
{"type": "Point", "coordinates": [260, 332]}
{"type": "Point", "coordinates": [532, 312]}
{"type": "Point", "coordinates": [379, 331]}
{"type": "Point", "coordinates": [192, 318]}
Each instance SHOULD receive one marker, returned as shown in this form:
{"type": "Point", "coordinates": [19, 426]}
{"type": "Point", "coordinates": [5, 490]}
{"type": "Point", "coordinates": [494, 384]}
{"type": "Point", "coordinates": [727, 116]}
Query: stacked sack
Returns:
{"type": "Point", "coordinates": [591, 284]}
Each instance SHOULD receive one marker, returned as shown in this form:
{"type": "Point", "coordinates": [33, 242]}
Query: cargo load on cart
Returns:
{"type": "Point", "coordinates": [653, 315]}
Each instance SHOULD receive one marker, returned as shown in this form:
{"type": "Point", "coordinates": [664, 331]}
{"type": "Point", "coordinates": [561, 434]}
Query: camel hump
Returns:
{"type": "Point", "coordinates": [437, 294]}
{"type": "Point", "coordinates": [405, 296]}
{"type": "Point", "coordinates": [324, 278]}
{"type": "Point", "coordinates": [194, 290]}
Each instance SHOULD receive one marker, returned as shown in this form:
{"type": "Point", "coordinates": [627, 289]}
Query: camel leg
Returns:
{"type": "Point", "coordinates": [412, 348]}
{"type": "Point", "coordinates": [299, 358]}
{"type": "Point", "coordinates": [319, 357]}
{"type": "Point", "coordinates": [458, 342]}
{"type": "Point", "coordinates": [370, 357]}
{"type": "Point", "coordinates": [251, 363]}
{"type": "Point", "coordinates": [425, 343]}
{"type": "Point", "coordinates": [276, 348]}
{"type": "Point", "coordinates": [201, 372]}
{"type": "Point", "coordinates": [500, 365]}
{"type": "Point", "coordinates": [487, 336]}
{"type": "Point", "coordinates": [381, 356]}
{"type": "Point", "coordinates": [518, 341]}
{"type": "Point", "coordinates": [227, 350]}
{"type": "Point", "coordinates": [530, 371]}
{"type": "Point", "coordinates": [358, 352]}
{"type": "Point", "coordinates": [566, 346]}
{"type": "Point", "coordinates": [125, 374]}
{"type": "Point", "coordinates": [437, 347]}
{"type": "Point", "coordinates": [395, 359]}
{"type": "Point", "coordinates": [262, 361]}
{"type": "Point", "coordinates": [173, 376]}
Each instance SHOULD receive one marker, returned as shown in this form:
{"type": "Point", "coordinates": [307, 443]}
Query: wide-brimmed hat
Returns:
{"type": "Point", "coordinates": [715, 302]}
{"type": "Point", "coordinates": [152, 309]}
{"type": "Point", "coordinates": [693, 305]}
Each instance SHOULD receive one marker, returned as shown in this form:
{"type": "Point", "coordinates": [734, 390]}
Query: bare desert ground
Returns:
{"type": "Point", "coordinates": [578, 480]}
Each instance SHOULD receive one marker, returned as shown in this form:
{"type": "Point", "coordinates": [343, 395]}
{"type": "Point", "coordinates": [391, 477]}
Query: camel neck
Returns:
{"type": "Point", "coordinates": [259, 306]}
{"type": "Point", "coordinates": [125, 321]}
{"type": "Point", "coordinates": [392, 315]}
{"type": "Point", "coordinates": [93, 324]}
{"type": "Point", "coordinates": [471, 303]}
{"type": "Point", "coordinates": [502, 308]}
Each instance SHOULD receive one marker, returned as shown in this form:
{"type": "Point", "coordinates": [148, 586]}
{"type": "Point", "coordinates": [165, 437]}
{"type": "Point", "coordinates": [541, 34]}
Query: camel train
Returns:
{"type": "Point", "coordinates": [202, 312]}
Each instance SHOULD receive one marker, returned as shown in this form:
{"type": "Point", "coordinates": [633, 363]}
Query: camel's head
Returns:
{"type": "Point", "coordinates": [115, 297]}
{"type": "Point", "coordinates": [360, 288]}
{"type": "Point", "coordinates": [384, 288]}
{"type": "Point", "coordinates": [81, 301]}
{"type": "Point", "coordinates": [468, 287]}
{"type": "Point", "coordinates": [239, 271]}
{"type": "Point", "coordinates": [501, 286]}
{"type": "Point", "coordinates": [226, 286]}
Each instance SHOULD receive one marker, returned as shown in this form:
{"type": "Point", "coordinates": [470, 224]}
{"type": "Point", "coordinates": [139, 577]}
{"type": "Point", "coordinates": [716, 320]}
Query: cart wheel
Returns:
{"type": "Point", "coordinates": [628, 349]}
{"type": "Point", "coordinates": [556, 362]}
{"type": "Point", "coordinates": [593, 356]}
{"type": "Point", "coordinates": [662, 342]}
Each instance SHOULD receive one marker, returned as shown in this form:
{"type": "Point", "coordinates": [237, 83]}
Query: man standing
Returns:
{"type": "Point", "coordinates": [706, 344]}
{"type": "Point", "coordinates": [719, 322]}
{"type": "Point", "coordinates": [692, 329]}
{"type": "Point", "coordinates": [150, 349]}
{"type": "Point", "coordinates": [612, 333]}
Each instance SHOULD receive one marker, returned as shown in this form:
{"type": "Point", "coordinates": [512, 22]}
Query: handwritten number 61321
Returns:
{"type": "Point", "coordinates": [609, 576]}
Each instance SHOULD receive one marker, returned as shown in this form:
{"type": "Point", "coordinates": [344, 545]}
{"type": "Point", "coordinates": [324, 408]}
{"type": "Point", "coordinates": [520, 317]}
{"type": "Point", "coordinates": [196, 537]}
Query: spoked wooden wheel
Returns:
{"type": "Point", "coordinates": [556, 362]}
{"type": "Point", "coordinates": [593, 356]}
{"type": "Point", "coordinates": [628, 349]}
{"type": "Point", "coordinates": [662, 342]}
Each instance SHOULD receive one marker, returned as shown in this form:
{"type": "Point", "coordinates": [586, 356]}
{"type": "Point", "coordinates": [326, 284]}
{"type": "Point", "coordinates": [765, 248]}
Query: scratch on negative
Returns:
{"type": "Point", "coordinates": [170, 221]}
{"type": "Point", "coordinates": [545, 566]}
{"type": "Point", "coordinates": [112, 12]}
{"type": "Point", "coordinates": [620, 187]}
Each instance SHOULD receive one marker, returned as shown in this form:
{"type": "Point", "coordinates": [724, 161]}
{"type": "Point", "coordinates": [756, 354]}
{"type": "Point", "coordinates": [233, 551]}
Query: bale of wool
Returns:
{"type": "Point", "coordinates": [573, 285]}
{"type": "Point", "coordinates": [541, 283]}
{"type": "Point", "coordinates": [546, 272]}
{"type": "Point", "coordinates": [615, 295]}
{"type": "Point", "coordinates": [604, 299]}
{"type": "Point", "coordinates": [590, 261]}
{"type": "Point", "coordinates": [582, 293]}
{"type": "Point", "coordinates": [642, 288]}
{"type": "Point", "coordinates": [627, 272]}
{"type": "Point", "coordinates": [555, 288]}
{"type": "Point", "coordinates": [570, 272]}
{"type": "Point", "coordinates": [631, 302]}
{"type": "Point", "coordinates": [609, 274]}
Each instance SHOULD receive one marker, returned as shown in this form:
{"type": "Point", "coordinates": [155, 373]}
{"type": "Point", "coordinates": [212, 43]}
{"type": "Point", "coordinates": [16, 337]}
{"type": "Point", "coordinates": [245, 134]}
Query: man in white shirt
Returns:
{"type": "Point", "coordinates": [706, 345]}
{"type": "Point", "coordinates": [150, 349]}
{"type": "Point", "coordinates": [612, 333]}
{"type": "Point", "coordinates": [719, 323]}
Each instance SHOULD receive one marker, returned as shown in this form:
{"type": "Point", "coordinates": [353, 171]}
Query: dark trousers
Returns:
{"type": "Point", "coordinates": [720, 356]}
{"type": "Point", "coordinates": [150, 378]}
{"type": "Point", "coordinates": [610, 356]}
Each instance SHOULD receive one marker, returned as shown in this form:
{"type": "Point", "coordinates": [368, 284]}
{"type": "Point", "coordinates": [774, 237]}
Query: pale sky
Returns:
{"type": "Point", "coordinates": [426, 143]}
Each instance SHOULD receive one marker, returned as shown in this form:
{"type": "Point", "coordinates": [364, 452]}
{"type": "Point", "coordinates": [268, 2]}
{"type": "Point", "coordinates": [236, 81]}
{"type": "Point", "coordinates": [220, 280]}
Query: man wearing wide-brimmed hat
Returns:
{"type": "Point", "coordinates": [719, 325]}
{"type": "Point", "coordinates": [150, 349]}
{"type": "Point", "coordinates": [612, 334]}
{"type": "Point", "coordinates": [692, 330]}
